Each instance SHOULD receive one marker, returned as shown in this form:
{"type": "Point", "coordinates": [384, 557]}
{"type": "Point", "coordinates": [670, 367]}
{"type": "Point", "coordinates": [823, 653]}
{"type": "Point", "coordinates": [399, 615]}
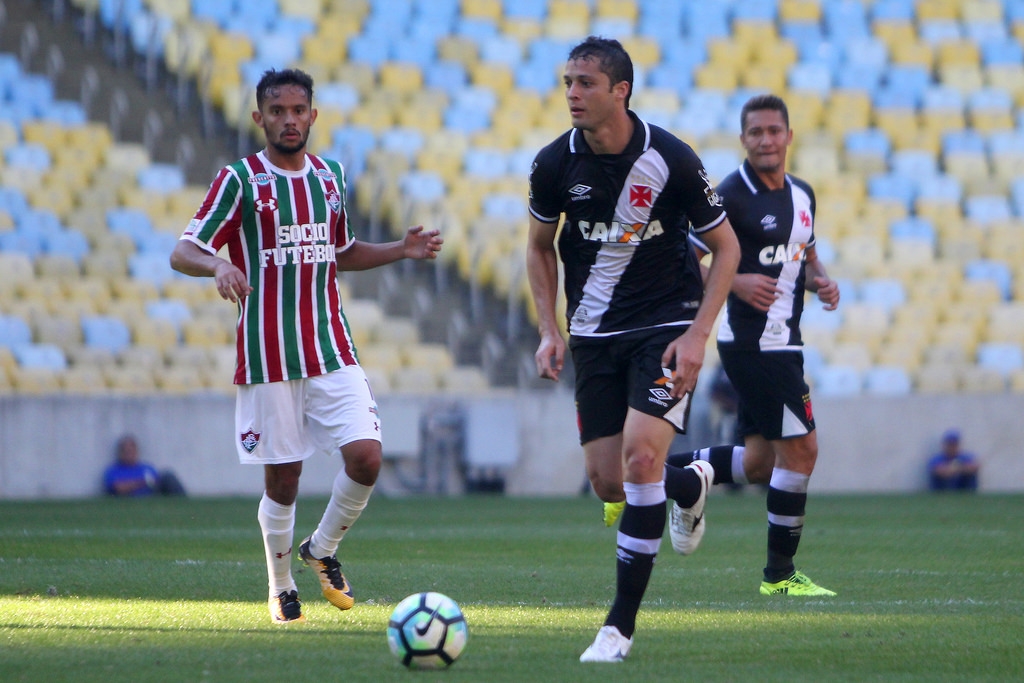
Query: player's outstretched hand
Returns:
{"type": "Point", "coordinates": [422, 244]}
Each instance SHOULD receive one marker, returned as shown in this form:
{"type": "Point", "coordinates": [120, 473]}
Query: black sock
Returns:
{"type": "Point", "coordinates": [783, 536]}
{"type": "Point", "coordinates": [682, 485]}
{"type": "Point", "coordinates": [720, 458]}
{"type": "Point", "coordinates": [640, 533]}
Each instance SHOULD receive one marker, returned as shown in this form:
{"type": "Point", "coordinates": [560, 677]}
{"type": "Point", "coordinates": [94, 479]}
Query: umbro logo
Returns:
{"type": "Point", "coordinates": [768, 222]}
{"type": "Point", "coordinates": [580, 191]}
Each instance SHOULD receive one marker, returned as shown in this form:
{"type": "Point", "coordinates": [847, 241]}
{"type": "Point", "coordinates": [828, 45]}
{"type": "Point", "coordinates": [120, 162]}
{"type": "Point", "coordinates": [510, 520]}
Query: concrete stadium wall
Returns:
{"type": "Point", "coordinates": [57, 447]}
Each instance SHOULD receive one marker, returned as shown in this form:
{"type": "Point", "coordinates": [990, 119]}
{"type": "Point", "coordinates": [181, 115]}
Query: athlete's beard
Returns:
{"type": "Point", "coordinates": [289, 149]}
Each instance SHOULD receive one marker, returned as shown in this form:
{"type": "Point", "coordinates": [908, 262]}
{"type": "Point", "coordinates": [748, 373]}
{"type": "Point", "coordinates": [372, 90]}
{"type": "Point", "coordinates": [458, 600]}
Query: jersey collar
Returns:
{"type": "Point", "coordinates": [639, 143]}
{"type": "Point", "coordinates": [752, 180]}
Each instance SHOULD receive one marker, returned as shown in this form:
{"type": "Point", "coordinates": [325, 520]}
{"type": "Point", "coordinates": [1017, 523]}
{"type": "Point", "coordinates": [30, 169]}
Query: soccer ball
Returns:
{"type": "Point", "coordinates": [427, 631]}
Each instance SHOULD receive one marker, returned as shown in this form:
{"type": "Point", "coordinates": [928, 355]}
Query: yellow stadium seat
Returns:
{"type": "Point", "coordinates": [310, 9]}
{"type": "Point", "coordinates": [716, 77]}
{"type": "Point", "coordinates": [936, 378]}
{"type": "Point", "coordinates": [617, 9]}
{"type": "Point", "coordinates": [403, 77]}
{"type": "Point", "coordinates": [645, 52]}
{"type": "Point", "coordinates": [482, 9]}
{"type": "Point", "coordinates": [928, 10]}
{"type": "Point", "coordinates": [1008, 77]}
{"type": "Point", "coordinates": [156, 334]}
{"type": "Point", "coordinates": [901, 355]}
{"type": "Point", "coordinates": [981, 11]}
{"type": "Point", "coordinates": [35, 381]}
{"type": "Point", "coordinates": [59, 267]}
{"type": "Point", "coordinates": [800, 10]}
{"type": "Point", "coordinates": [763, 76]}
{"type": "Point", "coordinates": [458, 49]}
{"type": "Point", "coordinates": [976, 380]}
{"type": "Point", "coordinates": [966, 78]}
{"type": "Point", "coordinates": [958, 53]}
{"type": "Point", "coordinates": [816, 163]}
{"type": "Point", "coordinates": [131, 380]}
{"type": "Point", "coordinates": [728, 51]}
{"type": "Point", "coordinates": [986, 121]}
{"type": "Point", "coordinates": [414, 380]}
{"type": "Point", "coordinates": [179, 380]}
{"type": "Point", "coordinates": [894, 32]}
{"type": "Point", "coordinates": [464, 379]}
{"type": "Point", "coordinates": [912, 53]}
{"type": "Point", "coordinates": [83, 379]}
{"type": "Point", "coordinates": [205, 332]}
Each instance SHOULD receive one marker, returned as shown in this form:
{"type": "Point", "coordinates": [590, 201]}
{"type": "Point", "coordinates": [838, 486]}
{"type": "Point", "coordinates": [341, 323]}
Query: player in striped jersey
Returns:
{"type": "Point", "coordinates": [639, 314]}
{"type": "Point", "coordinates": [281, 215]}
{"type": "Point", "coordinates": [759, 340]}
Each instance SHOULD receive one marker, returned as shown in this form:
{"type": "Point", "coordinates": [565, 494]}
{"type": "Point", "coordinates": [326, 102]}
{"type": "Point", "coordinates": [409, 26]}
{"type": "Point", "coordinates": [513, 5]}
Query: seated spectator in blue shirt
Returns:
{"type": "Point", "coordinates": [128, 476]}
{"type": "Point", "coordinates": [952, 469]}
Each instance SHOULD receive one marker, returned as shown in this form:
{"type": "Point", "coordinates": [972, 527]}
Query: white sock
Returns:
{"type": "Point", "coordinates": [348, 498]}
{"type": "Point", "coordinates": [739, 475]}
{"type": "Point", "coordinates": [277, 523]}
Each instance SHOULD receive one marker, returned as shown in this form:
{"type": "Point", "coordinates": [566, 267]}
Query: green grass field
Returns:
{"type": "Point", "coordinates": [930, 589]}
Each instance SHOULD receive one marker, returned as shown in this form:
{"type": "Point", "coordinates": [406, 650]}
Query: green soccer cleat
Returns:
{"type": "Point", "coordinates": [332, 582]}
{"type": "Point", "coordinates": [798, 584]}
{"type": "Point", "coordinates": [612, 512]}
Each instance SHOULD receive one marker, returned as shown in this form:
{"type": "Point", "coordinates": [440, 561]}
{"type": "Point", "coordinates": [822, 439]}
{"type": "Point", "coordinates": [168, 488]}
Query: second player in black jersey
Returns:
{"type": "Point", "coordinates": [759, 340]}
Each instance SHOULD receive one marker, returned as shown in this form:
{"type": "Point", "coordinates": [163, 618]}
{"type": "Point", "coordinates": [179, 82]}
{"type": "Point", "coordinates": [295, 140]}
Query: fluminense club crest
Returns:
{"type": "Point", "coordinates": [250, 440]}
{"type": "Point", "coordinates": [334, 200]}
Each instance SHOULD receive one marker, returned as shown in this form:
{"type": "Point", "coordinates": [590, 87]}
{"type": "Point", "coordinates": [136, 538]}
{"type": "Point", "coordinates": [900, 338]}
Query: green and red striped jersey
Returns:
{"type": "Point", "coordinates": [282, 229]}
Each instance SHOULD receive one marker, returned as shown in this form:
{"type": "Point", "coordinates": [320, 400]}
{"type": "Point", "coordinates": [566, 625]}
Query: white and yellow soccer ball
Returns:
{"type": "Point", "coordinates": [427, 631]}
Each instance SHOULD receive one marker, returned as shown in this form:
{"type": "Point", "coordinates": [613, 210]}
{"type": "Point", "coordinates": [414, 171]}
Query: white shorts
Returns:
{"type": "Point", "coordinates": [280, 422]}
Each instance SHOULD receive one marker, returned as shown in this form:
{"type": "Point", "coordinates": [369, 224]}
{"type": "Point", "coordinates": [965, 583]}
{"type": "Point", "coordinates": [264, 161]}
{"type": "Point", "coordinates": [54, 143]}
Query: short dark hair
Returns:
{"type": "Point", "coordinates": [760, 103]}
{"type": "Point", "coordinates": [275, 79]}
{"type": "Point", "coordinates": [612, 59]}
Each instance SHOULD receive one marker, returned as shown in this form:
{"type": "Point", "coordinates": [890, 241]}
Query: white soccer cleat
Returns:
{"type": "Point", "coordinates": [686, 525]}
{"type": "Point", "coordinates": [609, 646]}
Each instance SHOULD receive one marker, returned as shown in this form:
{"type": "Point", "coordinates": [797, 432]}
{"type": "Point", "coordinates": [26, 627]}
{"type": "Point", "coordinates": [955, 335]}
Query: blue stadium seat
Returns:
{"type": "Point", "coordinates": [845, 20]}
{"type": "Point", "coordinates": [502, 50]}
{"type": "Point", "coordinates": [14, 331]}
{"type": "Point", "coordinates": [341, 96]}
{"type": "Point", "coordinates": [503, 206]}
{"type": "Point", "coordinates": [148, 32]}
{"type": "Point", "coordinates": [893, 10]}
{"type": "Point", "coordinates": [418, 49]}
{"type": "Point", "coordinates": [1002, 52]}
{"type": "Point", "coordinates": [369, 50]}
{"type": "Point", "coordinates": [130, 221]}
{"type": "Point", "coordinates": [991, 269]}
{"type": "Point", "coordinates": [940, 187]}
{"type": "Point", "coordinates": [156, 243]}
{"type": "Point", "coordinates": [67, 242]}
{"type": "Point", "coordinates": [151, 267]}
{"type": "Point", "coordinates": [867, 140]}
{"type": "Point", "coordinates": [525, 9]}
{"type": "Point", "coordinates": [1002, 357]}
{"type": "Point", "coordinates": [217, 11]}
{"type": "Point", "coordinates": [810, 76]}
{"type": "Point", "coordinates": [406, 141]}
{"type": "Point", "coordinates": [450, 76]}
{"type": "Point", "coordinates": [175, 311]}
{"type": "Point", "coordinates": [44, 356]}
{"type": "Point", "coordinates": [858, 77]}
{"type": "Point", "coordinates": [398, 11]}
{"type": "Point", "coordinates": [161, 178]}
{"type": "Point", "coordinates": [28, 156]}
{"type": "Point", "coordinates": [423, 186]}
{"type": "Point", "coordinates": [966, 140]}
{"type": "Point", "coordinates": [670, 77]}
{"type": "Point", "coordinates": [612, 27]}
{"type": "Point", "coordinates": [866, 51]}
{"type": "Point", "coordinates": [887, 380]}
{"type": "Point", "coordinates": [838, 380]}
{"type": "Point", "coordinates": [910, 77]}
{"type": "Point", "coordinates": [892, 186]}
{"type": "Point", "coordinates": [13, 201]}
{"type": "Point", "coordinates": [485, 163]}
{"type": "Point", "coordinates": [467, 119]}
{"type": "Point", "coordinates": [106, 332]}
{"type": "Point", "coordinates": [22, 242]}
{"type": "Point", "coordinates": [988, 208]}
{"type": "Point", "coordinates": [706, 20]}
{"type": "Point", "coordinates": [66, 113]}
{"type": "Point", "coordinates": [914, 163]}
{"type": "Point", "coordinates": [438, 11]}
{"type": "Point", "coordinates": [476, 29]}
{"type": "Point", "coordinates": [936, 31]}
{"type": "Point", "coordinates": [350, 145]}
{"type": "Point", "coordinates": [885, 292]}
{"type": "Point", "coordinates": [117, 13]}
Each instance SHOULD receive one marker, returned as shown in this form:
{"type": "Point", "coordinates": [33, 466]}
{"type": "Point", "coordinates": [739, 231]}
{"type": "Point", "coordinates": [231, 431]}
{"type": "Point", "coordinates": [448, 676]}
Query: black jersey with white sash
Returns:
{"type": "Point", "coordinates": [774, 229]}
{"type": "Point", "coordinates": [628, 263]}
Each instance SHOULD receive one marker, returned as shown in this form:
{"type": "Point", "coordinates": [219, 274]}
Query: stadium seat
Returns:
{"type": "Point", "coordinates": [887, 380]}
{"type": "Point", "coordinates": [837, 381]}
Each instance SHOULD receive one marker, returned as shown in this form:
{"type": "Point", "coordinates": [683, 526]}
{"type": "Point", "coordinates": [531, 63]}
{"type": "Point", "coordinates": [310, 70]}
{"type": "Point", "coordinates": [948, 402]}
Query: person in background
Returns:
{"type": "Point", "coordinates": [953, 469]}
{"type": "Point", "coordinates": [128, 476]}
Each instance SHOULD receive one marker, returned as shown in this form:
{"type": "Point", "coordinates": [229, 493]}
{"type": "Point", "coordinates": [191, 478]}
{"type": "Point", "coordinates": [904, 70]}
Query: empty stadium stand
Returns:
{"type": "Point", "coordinates": [908, 119]}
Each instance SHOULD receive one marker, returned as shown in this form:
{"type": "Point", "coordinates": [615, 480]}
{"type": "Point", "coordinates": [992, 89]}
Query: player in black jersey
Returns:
{"type": "Point", "coordinates": [759, 340]}
{"type": "Point", "coordinates": [639, 314]}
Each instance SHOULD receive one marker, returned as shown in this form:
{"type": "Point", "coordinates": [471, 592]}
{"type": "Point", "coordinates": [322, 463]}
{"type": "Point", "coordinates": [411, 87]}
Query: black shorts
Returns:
{"type": "Point", "coordinates": [616, 373]}
{"type": "Point", "coordinates": [774, 399]}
